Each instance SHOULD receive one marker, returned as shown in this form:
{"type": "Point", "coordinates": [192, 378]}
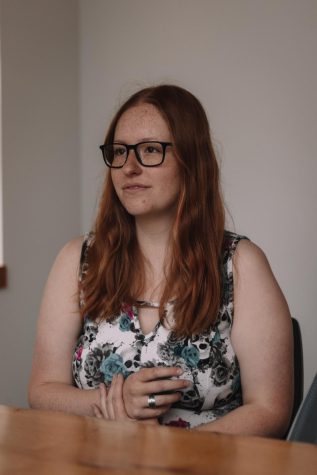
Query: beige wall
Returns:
{"type": "Point", "coordinates": [40, 167]}
{"type": "Point", "coordinates": [252, 64]}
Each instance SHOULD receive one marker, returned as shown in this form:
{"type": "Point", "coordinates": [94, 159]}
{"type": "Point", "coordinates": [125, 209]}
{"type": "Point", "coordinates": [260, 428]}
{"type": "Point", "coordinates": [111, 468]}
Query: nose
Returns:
{"type": "Point", "coordinates": [132, 166]}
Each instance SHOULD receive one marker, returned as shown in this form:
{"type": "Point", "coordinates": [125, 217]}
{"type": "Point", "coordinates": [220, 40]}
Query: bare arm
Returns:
{"type": "Point", "coordinates": [262, 339]}
{"type": "Point", "coordinates": [51, 384]}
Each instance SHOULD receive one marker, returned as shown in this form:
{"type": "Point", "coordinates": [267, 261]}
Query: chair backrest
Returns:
{"type": "Point", "coordinates": [298, 368]}
{"type": "Point", "coordinates": [304, 427]}
{"type": "Point", "coordinates": [298, 371]}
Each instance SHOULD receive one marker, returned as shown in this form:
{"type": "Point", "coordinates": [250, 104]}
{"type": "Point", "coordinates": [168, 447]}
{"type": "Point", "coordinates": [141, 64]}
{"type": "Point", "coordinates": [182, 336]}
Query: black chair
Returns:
{"type": "Point", "coordinates": [298, 371]}
{"type": "Point", "coordinates": [298, 368]}
{"type": "Point", "coordinates": [304, 427]}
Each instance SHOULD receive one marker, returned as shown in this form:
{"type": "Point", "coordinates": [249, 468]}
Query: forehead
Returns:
{"type": "Point", "coordinates": [143, 121]}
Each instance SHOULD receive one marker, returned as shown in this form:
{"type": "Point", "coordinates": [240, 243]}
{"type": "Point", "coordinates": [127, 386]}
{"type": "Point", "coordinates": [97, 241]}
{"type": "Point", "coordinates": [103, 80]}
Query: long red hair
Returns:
{"type": "Point", "coordinates": [114, 263]}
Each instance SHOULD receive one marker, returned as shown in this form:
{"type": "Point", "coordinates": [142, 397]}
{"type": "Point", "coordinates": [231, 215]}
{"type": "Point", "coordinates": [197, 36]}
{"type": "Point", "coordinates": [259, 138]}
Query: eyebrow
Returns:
{"type": "Point", "coordinates": [145, 139]}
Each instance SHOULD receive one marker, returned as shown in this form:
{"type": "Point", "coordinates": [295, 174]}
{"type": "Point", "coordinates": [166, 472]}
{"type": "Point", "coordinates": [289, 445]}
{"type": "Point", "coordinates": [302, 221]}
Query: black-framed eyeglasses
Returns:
{"type": "Point", "coordinates": [148, 154]}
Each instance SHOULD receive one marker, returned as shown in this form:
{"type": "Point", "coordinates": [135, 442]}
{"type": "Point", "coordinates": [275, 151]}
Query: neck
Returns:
{"type": "Point", "coordinates": [154, 238]}
{"type": "Point", "coordinates": [153, 235]}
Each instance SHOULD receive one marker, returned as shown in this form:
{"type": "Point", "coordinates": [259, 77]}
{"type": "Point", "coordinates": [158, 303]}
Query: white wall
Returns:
{"type": "Point", "coordinates": [1, 204]}
{"type": "Point", "coordinates": [40, 167]}
{"type": "Point", "coordinates": [253, 65]}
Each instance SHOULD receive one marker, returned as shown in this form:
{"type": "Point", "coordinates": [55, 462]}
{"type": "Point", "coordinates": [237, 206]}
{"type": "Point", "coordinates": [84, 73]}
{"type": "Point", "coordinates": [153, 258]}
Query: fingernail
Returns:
{"type": "Point", "coordinates": [179, 371]}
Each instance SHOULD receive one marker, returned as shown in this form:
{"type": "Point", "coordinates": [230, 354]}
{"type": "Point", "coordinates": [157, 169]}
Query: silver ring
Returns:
{"type": "Point", "coordinates": [151, 401]}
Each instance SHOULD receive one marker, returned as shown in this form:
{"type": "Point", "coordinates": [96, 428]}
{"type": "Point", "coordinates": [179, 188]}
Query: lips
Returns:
{"type": "Point", "coordinates": [134, 187]}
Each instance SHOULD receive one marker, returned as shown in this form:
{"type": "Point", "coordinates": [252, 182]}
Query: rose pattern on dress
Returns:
{"type": "Point", "coordinates": [191, 355]}
{"type": "Point", "coordinates": [125, 323]}
{"type": "Point", "coordinates": [112, 365]}
{"type": "Point", "coordinates": [92, 367]}
{"type": "Point", "coordinates": [220, 374]}
{"type": "Point", "coordinates": [207, 360]}
{"type": "Point", "coordinates": [179, 423]}
{"type": "Point", "coordinates": [90, 331]}
{"type": "Point", "coordinates": [78, 353]}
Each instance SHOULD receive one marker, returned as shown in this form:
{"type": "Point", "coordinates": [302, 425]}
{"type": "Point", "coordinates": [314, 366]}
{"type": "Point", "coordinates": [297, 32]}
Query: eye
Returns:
{"type": "Point", "coordinates": [152, 148]}
{"type": "Point", "coordinates": [118, 151]}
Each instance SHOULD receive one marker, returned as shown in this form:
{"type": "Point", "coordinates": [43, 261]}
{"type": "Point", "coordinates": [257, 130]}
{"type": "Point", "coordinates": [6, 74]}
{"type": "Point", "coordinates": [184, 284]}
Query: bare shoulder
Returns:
{"type": "Point", "coordinates": [71, 250]}
{"type": "Point", "coordinates": [68, 258]}
{"type": "Point", "coordinates": [255, 286]}
{"type": "Point", "coordinates": [248, 254]}
{"type": "Point", "coordinates": [250, 263]}
{"type": "Point", "coordinates": [63, 276]}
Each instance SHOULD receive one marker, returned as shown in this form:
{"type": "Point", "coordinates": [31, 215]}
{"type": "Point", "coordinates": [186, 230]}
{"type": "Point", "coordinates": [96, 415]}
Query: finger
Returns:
{"type": "Point", "coordinates": [163, 404]}
{"type": "Point", "coordinates": [103, 400]}
{"type": "Point", "coordinates": [157, 372]}
{"type": "Point", "coordinates": [118, 403]}
{"type": "Point", "coordinates": [109, 400]}
{"type": "Point", "coordinates": [162, 400]}
{"type": "Point", "coordinates": [96, 411]}
{"type": "Point", "coordinates": [166, 385]}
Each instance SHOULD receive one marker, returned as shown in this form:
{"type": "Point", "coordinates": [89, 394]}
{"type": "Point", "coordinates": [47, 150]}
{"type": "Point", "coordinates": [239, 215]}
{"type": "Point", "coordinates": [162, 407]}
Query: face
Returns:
{"type": "Point", "coordinates": [143, 191]}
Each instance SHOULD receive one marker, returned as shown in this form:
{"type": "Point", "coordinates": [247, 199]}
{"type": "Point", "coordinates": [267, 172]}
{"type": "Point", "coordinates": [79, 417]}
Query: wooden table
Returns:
{"type": "Point", "coordinates": [51, 443]}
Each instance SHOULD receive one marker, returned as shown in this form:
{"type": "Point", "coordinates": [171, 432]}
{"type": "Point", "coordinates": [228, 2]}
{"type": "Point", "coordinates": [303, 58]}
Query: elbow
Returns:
{"type": "Point", "coordinates": [37, 395]}
{"type": "Point", "coordinates": [277, 422]}
{"type": "Point", "coordinates": [33, 397]}
{"type": "Point", "coordinates": [279, 427]}
{"type": "Point", "coordinates": [283, 424]}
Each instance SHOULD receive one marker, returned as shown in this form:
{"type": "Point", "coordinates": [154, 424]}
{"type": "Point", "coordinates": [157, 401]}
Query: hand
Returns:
{"type": "Point", "coordinates": [111, 404]}
{"type": "Point", "coordinates": [152, 381]}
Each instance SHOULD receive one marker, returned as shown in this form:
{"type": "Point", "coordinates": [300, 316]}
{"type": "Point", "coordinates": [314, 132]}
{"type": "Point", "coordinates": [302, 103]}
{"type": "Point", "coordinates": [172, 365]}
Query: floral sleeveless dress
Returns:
{"type": "Point", "coordinates": [208, 360]}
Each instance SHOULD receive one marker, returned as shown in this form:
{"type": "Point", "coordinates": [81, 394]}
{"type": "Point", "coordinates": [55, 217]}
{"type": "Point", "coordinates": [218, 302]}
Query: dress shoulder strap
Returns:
{"type": "Point", "coordinates": [84, 253]}
{"type": "Point", "coordinates": [83, 264]}
{"type": "Point", "coordinates": [230, 243]}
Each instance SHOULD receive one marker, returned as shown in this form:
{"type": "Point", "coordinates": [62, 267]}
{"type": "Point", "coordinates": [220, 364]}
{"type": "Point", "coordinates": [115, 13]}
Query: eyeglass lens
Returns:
{"type": "Point", "coordinates": [149, 153]}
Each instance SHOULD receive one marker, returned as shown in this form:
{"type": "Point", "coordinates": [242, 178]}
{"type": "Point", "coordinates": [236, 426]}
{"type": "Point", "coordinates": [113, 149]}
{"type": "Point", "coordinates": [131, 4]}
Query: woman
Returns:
{"type": "Point", "coordinates": [167, 317]}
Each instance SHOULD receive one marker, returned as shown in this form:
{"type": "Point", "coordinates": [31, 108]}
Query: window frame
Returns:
{"type": "Point", "coordinates": [3, 269]}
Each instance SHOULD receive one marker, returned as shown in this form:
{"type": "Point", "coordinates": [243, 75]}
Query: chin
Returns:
{"type": "Point", "coordinates": [136, 211]}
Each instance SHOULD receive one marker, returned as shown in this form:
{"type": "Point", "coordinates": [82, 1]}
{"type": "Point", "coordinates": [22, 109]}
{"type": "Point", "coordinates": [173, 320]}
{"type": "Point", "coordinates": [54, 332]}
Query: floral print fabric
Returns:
{"type": "Point", "coordinates": [208, 360]}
